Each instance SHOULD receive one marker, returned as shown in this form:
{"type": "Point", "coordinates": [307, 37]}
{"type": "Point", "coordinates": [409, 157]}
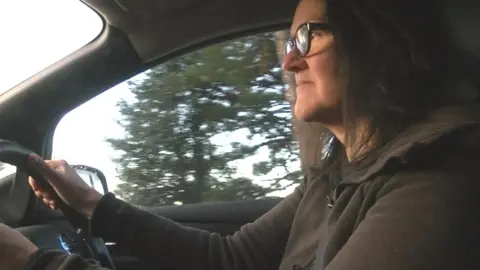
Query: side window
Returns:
{"type": "Point", "coordinates": [211, 125]}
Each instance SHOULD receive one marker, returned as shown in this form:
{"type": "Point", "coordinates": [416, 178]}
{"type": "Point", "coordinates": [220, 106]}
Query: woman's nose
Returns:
{"type": "Point", "coordinates": [292, 62]}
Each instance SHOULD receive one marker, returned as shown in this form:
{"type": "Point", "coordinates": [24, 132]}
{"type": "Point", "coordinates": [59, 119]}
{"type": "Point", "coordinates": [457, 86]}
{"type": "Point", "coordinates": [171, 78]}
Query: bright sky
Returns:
{"type": "Point", "coordinates": [35, 34]}
{"type": "Point", "coordinates": [45, 32]}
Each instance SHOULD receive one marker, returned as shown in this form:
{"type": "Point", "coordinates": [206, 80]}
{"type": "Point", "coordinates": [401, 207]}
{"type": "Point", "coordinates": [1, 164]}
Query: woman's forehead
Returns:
{"type": "Point", "coordinates": [308, 10]}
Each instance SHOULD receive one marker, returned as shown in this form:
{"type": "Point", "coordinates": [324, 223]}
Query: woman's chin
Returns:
{"type": "Point", "coordinates": [306, 107]}
{"type": "Point", "coordinates": [318, 114]}
{"type": "Point", "coordinates": [305, 115]}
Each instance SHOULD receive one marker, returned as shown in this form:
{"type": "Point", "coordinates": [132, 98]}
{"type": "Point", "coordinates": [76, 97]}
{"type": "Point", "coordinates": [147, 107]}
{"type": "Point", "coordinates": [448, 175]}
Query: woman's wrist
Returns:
{"type": "Point", "coordinates": [91, 201]}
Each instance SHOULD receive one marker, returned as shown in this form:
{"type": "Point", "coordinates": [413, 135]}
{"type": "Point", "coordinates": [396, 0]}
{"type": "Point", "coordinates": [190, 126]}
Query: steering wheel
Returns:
{"type": "Point", "coordinates": [17, 155]}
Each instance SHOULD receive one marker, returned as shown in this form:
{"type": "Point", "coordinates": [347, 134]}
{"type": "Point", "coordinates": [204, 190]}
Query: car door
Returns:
{"type": "Point", "coordinates": [224, 218]}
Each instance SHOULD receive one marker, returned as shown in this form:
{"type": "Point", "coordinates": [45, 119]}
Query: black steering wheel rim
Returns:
{"type": "Point", "coordinates": [18, 155]}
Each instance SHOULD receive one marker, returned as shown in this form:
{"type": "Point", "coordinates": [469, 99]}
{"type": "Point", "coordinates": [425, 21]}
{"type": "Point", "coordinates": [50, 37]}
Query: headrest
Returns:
{"type": "Point", "coordinates": [462, 18]}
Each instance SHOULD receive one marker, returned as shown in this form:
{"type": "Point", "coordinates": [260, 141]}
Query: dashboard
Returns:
{"type": "Point", "coordinates": [62, 237]}
{"type": "Point", "coordinates": [48, 236]}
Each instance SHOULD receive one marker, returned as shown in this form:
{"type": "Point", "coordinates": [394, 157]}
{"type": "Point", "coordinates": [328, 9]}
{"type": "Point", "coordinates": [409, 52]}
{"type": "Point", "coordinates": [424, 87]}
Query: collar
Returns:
{"type": "Point", "coordinates": [434, 126]}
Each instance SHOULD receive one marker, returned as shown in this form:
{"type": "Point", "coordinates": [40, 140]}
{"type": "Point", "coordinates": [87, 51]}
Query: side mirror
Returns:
{"type": "Point", "coordinates": [93, 177]}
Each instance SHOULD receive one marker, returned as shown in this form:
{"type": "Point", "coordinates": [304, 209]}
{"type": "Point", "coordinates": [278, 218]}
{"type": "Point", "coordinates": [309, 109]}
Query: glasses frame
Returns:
{"type": "Point", "coordinates": [310, 26]}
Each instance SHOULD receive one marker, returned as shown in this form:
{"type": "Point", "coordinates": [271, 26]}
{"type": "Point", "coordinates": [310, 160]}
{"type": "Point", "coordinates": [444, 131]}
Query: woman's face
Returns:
{"type": "Point", "coordinates": [317, 85]}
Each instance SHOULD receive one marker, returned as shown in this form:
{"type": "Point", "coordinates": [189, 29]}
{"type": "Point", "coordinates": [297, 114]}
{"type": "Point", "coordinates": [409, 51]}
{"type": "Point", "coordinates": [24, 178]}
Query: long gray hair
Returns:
{"type": "Point", "coordinates": [391, 59]}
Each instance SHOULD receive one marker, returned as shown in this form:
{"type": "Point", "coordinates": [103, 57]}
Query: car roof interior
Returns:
{"type": "Point", "coordinates": [140, 34]}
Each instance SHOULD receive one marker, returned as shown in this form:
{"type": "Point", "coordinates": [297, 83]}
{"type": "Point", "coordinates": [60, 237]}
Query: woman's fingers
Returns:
{"type": "Point", "coordinates": [38, 192]}
{"type": "Point", "coordinates": [46, 201]}
{"type": "Point", "coordinates": [46, 168]}
{"type": "Point", "coordinates": [33, 184]}
{"type": "Point", "coordinates": [52, 205]}
{"type": "Point", "coordinates": [49, 203]}
{"type": "Point", "coordinates": [44, 196]}
{"type": "Point", "coordinates": [68, 185]}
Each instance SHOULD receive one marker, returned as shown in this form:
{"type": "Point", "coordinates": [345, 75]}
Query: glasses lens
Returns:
{"type": "Point", "coordinates": [289, 46]}
{"type": "Point", "coordinates": [302, 39]}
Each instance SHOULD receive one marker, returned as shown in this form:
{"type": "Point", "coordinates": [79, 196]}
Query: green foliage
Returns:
{"type": "Point", "coordinates": [172, 151]}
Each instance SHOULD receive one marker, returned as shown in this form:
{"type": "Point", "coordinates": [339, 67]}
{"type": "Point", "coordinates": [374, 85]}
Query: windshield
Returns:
{"type": "Point", "coordinates": [36, 34]}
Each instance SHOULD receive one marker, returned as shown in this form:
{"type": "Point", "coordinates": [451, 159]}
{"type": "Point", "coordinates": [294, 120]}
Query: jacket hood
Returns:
{"type": "Point", "coordinates": [434, 126]}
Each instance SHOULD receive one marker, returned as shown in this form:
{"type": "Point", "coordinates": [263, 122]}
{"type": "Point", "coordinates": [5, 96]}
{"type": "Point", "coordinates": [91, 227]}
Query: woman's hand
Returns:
{"type": "Point", "coordinates": [67, 183]}
{"type": "Point", "coordinates": [15, 249]}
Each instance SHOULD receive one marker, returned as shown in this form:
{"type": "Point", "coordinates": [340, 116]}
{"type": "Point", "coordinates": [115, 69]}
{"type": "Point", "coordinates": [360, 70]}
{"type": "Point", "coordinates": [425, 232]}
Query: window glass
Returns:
{"type": "Point", "coordinates": [211, 125]}
{"type": "Point", "coordinates": [36, 34]}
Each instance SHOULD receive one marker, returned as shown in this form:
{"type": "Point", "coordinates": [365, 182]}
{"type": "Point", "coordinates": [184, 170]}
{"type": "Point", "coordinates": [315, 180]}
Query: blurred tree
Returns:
{"type": "Point", "coordinates": [185, 110]}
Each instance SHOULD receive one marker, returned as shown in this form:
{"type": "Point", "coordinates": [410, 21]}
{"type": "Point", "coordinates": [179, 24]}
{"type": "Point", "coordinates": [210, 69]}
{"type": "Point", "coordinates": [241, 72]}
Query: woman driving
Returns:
{"type": "Point", "coordinates": [395, 188]}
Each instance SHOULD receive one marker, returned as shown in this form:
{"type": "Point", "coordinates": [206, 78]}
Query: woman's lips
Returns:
{"type": "Point", "coordinates": [302, 83]}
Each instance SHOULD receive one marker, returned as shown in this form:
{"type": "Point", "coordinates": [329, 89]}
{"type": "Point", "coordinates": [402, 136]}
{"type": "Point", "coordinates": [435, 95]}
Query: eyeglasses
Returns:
{"type": "Point", "coordinates": [302, 40]}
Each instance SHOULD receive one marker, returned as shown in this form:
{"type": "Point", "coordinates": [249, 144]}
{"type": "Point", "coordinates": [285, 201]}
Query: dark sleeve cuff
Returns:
{"type": "Point", "coordinates": [117, 221]}
{"type": "Point", "coordinates": [103, 215]}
